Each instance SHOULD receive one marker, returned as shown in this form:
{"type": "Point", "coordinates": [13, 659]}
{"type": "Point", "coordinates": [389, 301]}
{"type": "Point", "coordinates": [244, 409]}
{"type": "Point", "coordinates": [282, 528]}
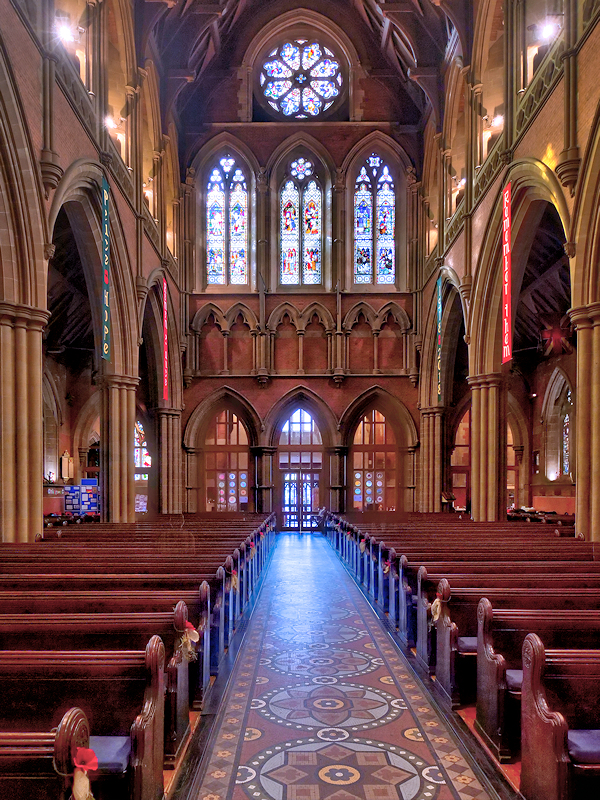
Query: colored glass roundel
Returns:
{"type": "Point", "coordinates": [301, 79]}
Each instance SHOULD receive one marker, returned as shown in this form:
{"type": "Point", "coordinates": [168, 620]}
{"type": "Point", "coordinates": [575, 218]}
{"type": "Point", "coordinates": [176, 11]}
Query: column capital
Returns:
{"type": "Point", "coordinates": [263, 450]}
{"type": "Point", "coordinates": [24, 316]}
{"type": "Point", "coordinates": [117, 382]}
{"type": "Point", "coordinates": [585, 316]}
{"type": "Point", "coordinates": [337, 450]}
{"type": "Point", "coordinates": [490, 379]}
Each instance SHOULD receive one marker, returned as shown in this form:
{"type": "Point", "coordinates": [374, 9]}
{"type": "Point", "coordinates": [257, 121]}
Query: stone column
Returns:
{"type": "Point", "coordinates": [117, 423]}
{"type": "Point", "coordinates": [488, 448]}
{"type": "Point", "coordinates": [169, 447]}
{"type": "Point", "coordinates": [586, 320]}
{"type": "Point", "coordinates": [432, 459]}
{"type": "Point", "coordinates": [21, 421]}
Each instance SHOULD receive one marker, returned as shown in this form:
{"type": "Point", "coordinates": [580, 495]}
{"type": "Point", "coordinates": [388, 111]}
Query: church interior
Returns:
{"type": "Point", "coordinates": [298, 307]}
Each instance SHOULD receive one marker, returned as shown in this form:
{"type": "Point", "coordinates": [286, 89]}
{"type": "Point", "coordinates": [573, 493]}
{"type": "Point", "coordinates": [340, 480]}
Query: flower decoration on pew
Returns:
{"type": "Point", "coordinates": [85, 761]}
{"type": "Point", "coordinates": [386, 567]}
{"type": "Point", "coordinates": [186, 650]}
{"type": "Point", "coordinates": [436, 609]}
{"type": "Point", "coordinates": [363, 545]}
{"type": "Point", "coordinates": [252, 549]}
{"type": "Point", "coordinates": [235, 583]}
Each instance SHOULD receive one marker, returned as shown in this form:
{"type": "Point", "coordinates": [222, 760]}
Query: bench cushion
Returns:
{"type": "Point", "coordinates": [112, 752]}
{"type": "Point", "coordinates": [584, 746]}
{"type": "Point", "coordinates": [467, 644]}
{"type": "Point", "coordinates": [514, 679]}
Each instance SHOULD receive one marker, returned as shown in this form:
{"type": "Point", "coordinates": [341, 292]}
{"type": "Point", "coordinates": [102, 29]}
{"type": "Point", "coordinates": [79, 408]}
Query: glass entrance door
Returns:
{"type": "Point", "coordinates": [300, 500]}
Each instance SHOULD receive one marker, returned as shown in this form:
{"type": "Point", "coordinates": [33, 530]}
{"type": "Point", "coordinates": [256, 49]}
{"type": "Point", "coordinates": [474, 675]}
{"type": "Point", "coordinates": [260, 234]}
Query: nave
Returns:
{"type": "Point", "coordinates": [321, 704]}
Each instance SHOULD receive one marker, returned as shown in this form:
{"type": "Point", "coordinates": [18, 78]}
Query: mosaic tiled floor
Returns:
{"type": "Point", "coordinates": [321, 704]}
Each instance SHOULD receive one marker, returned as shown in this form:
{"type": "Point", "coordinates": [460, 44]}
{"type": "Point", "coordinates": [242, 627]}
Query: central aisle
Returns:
{"type": "Point", "coordinates": [321, 704]}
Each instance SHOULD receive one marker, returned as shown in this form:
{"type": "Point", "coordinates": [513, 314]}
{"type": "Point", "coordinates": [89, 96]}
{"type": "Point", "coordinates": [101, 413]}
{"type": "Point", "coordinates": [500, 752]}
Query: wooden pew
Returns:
{"type": "Point", "coordinates": [38, 765]}
{"type": "Point", "coordinates": [456, 627]}
{"type": "Point", "coordinates": [119, 631]}
{"type": "Point", "coordinates": [120, 692]}
{"type": "Point", "coordinates": [560, 713]}
{"type": "Point", "coordinates": [500, 637]}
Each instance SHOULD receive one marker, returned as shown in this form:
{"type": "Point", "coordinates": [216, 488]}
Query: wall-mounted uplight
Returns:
{"type": "Point", "coordinates": [548, 31]}
{"type": "Point", "coordinates": [498, 121]}
{"type": "Point", "coordinates": [110, 123]}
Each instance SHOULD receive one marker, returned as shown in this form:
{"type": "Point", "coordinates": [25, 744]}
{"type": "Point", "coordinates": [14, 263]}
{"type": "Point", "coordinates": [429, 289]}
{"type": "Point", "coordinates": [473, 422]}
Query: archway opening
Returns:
{"type": "Point", "coordinates": [300, 460]}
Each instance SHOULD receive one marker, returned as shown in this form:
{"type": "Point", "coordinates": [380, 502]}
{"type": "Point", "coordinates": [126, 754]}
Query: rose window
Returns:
{"type": "Point", "coordinates": [301, 79]}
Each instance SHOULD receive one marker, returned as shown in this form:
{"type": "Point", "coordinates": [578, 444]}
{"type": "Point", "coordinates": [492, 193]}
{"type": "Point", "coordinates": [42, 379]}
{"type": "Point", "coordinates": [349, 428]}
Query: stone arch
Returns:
{"type": "Point", "coordinates": [122, 73]}
{"type": "Point", "coordinates": [585, 230]}
{"type": "Point", "coordinates": [154, 302]}
{"type": "Point", "coordinates": [301, 397]}
{"type": "Point", "coordinates": [248, 316]}
{"type": "Point", "coordinates": [84, 425]}
{"type": "Point", "coordinates": [532, 181]}
{"type": "Point", "coordinates": [558, 383]}
{"type": "Point", "coordinates": [393, 408]}
{"type": "Point", "coordinates": [519, 425]}
{"type": "Point", "coordinates": [278, 314]}
{"type": "Point", "coordinates": [368, 312]}
{"type": "Point", "coordinates": [79, 192]}
{"type": "Point", "coordinates": [398, 313]}
{"type": "Point", "coordinates": [201, 316]}
{"type": "Point", "coordinates": [225, 397]}
{"type": "Point", "coordinates": [23, 273]}
{"type": "Point", "coordinates": [323, 313]}
{"type": "Point", "coordinates": [451, 303]}
{"type": "Point", "coordinates": [300, 18]}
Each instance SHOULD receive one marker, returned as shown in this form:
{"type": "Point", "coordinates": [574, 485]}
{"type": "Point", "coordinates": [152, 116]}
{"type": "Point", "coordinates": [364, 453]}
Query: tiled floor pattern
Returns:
{"type": "Point", "coordinates": [322, 705]}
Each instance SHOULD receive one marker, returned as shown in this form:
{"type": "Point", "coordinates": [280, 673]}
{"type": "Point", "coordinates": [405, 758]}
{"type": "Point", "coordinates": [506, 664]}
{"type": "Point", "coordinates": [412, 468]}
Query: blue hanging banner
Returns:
{"type": "Point", "coordinates": [105, 271]}
{"type": "Point", "coordinates": [439, 338]}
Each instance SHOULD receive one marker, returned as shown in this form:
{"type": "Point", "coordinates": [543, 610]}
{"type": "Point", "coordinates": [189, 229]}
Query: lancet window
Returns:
{"type": "Point", "coordinates": [227, 225]}
{"type": "Point", "coordinates": [374, 224]}
{"type": "Point", "coordinates": [301, 226]}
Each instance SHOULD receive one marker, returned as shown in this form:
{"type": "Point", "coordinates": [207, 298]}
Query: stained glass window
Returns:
{"type": "Point", "coordinates": [374, 239]}
{"type": "Point", "coordinates": [142, 461]}
{"type": "Point", "coordinates": [226, 454]}
{"type": "Point", "coordinates": [301, 79]}
{"type": "Point", "coordinates": [373, 461]}
{"type": "Point", "coordinates": [227, 225]}
{"type": "Point", "coordinates": [301, 203]}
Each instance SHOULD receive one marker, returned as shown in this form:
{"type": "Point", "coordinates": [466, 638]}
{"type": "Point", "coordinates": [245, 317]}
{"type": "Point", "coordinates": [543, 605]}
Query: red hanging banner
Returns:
{"type": "Point", "coordinates": [165, 344]}
{"type": "Point", "coordinates": [506, 278]}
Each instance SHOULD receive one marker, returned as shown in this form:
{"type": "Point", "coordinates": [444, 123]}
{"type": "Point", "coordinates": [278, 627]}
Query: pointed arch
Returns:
{"type": "Point", "coordinates": [532, 182]}
{"type": "Point", "coordinates": [301, 397]}
{"type": "Point", "coordinates": [23, 273]}
{"type": "Point", "coordinates": [201, 316]}
{"type": "Point", "coordinates": [79, 193]}
{"type": "Point", "coordinates": [357, 309]}
{"type": "Point", "coordinates": [323, 313]}
{"type": "Point", "coordinates": [298, 140]}
{"type": "Point", "coordinates": [154, 305]}
{"type": "Point", "coordinates": [84, 425]}
{"type": "Point", "coordinates": [392, 407]}
{"type": "Point", "coordinates": [397, 312]}
{"type": "Point", "coordinates": [248, 315]}
{"type": "Point", "coordinates": [223, 398]}
{"type": "Point", "coordinates": [278, 314]}
{"type": "Point", "coordinates": [585, 229]}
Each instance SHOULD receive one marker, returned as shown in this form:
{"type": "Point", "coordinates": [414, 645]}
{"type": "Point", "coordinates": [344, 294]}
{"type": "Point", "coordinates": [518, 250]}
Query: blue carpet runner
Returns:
{"type": "Point", "coordinates": [322, 705]}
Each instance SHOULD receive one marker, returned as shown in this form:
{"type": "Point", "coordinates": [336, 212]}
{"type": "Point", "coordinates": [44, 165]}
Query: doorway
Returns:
{"type": "Point", "coordinates": [300, 458]}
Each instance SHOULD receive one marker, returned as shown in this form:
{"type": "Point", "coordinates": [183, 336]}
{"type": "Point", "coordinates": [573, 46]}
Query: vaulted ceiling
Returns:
{"type": "Point", "coordinates": [405, 42]}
